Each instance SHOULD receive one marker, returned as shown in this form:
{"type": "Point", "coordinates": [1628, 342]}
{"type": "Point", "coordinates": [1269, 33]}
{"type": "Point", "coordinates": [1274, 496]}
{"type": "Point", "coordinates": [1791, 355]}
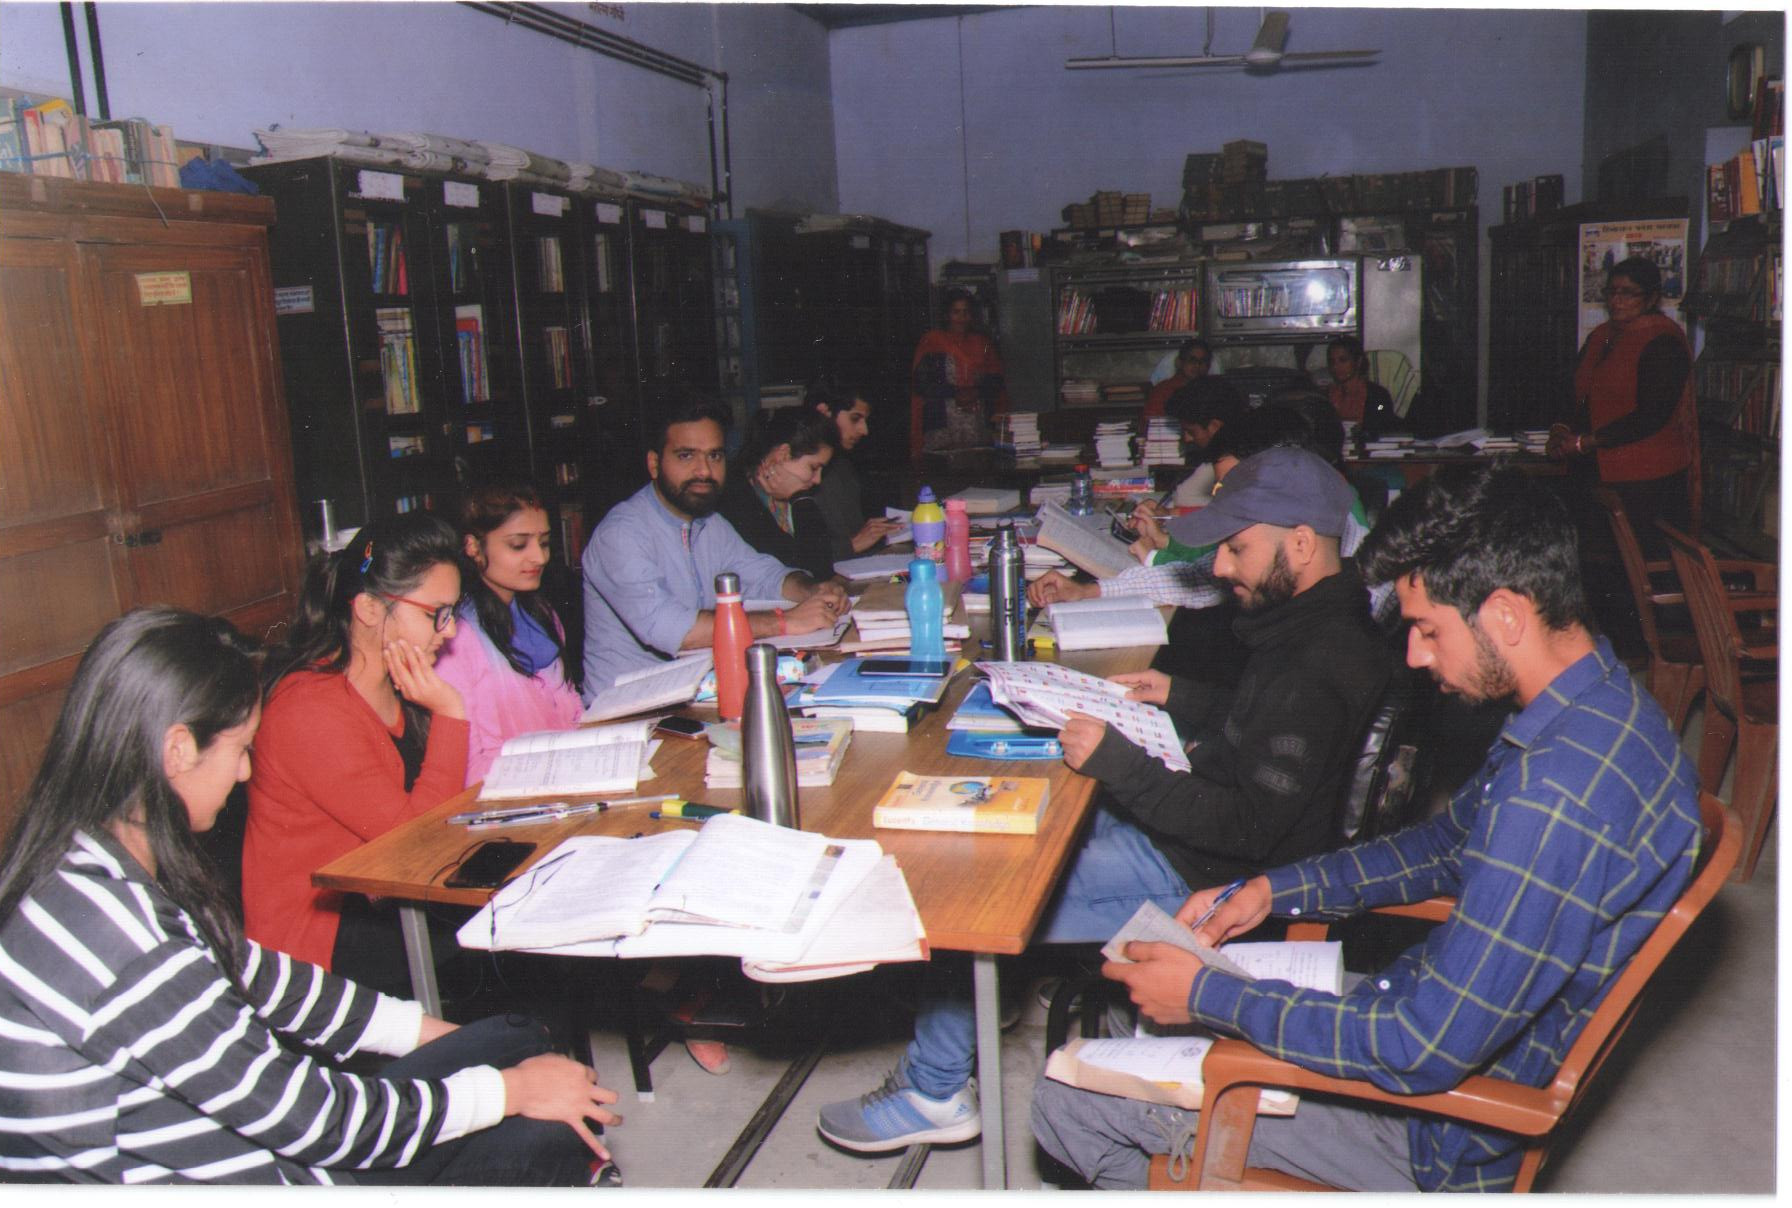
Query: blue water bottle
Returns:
{"type": "Point", "coordinates": [926, 627]}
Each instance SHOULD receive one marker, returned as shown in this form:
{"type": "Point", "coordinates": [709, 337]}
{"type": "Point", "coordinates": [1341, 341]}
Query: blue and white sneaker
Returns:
{"type": "Point", "coordinates": [896, 1115]}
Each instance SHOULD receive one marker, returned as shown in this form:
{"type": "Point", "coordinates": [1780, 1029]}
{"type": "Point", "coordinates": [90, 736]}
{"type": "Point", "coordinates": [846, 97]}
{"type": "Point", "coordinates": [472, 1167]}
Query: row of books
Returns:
{"type": "Point", "coordinates": [469, 340]}
{"type": "Point", "coordinates": [398, 359]}
{"type": "Point", "coordinates": [386, 258]}
{"type": "Point", "coordinates": [1019, 431]}
{"type": "Point", "coordinates": [1076, 313]}
{"type": "Point", "coordinates": [48, 138]}
{"type": "Point", "coordinates": [1175, 310]}
{"type": "Point", "coordinates": [1749, 182]}
{"type": "Point", "coordinates": [559, 350]}
{"type": "Point", "coordinates": [461, 262]}
{"type": "Point", "coordinates": [1742, 394]}
{"type": "Point", "coordinates": [552, 279]}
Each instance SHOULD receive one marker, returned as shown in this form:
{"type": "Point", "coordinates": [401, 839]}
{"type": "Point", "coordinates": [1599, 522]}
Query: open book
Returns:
{"type": "Point", "coordinates": [877, 924]}
{"type": "Point", "coordinates": [1107, 623]}
{"type": "Point", "coordinates": [653, 687]}
{"type": "Point", "coordinates": [604, 759]}
{"type": "Point", "coordinates": [1310, 964]}
{"type": "Point", "coordinates": [1088, 544]}
{"type": "Point", "coordinates": [1045, 694]}
{"type": "Point", "coordinates": [735, 887]}
{"type": "Point", "coordinates": [1156, 1069]}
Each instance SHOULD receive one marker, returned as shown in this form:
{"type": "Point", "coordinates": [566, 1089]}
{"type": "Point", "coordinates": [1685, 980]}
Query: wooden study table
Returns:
{"type": "Point", "coordinates": [982, 894]}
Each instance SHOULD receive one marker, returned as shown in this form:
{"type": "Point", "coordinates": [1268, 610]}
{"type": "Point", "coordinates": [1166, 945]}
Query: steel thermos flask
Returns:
{"type": "Point", "coordinates": [768, 752]}
{"type": "Point", "coordinates": [1007, 597]}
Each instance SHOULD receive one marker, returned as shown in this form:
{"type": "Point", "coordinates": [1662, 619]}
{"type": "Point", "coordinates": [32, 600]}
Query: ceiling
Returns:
{"type": "Point", "coordinates": [845, 16]}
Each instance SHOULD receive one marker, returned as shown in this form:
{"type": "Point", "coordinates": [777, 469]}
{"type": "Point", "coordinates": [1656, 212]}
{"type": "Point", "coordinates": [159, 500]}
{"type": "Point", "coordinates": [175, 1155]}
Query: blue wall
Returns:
{"type": "Point", "coordinates": [216, 72]}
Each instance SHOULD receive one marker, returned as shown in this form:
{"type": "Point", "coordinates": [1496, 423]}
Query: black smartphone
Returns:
{"type": "Point", "coordinates": [1122, 531]}
{"type": "Point", "coordinates": [927, 668]}
{"type": "Point", "coordinates": [679, 727]}
{"type": "Point", "coordinates": [490, 865]}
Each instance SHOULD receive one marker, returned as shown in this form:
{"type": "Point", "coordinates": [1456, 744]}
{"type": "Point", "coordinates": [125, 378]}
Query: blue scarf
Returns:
{"type": "Point", "coordinates": [531, 644]}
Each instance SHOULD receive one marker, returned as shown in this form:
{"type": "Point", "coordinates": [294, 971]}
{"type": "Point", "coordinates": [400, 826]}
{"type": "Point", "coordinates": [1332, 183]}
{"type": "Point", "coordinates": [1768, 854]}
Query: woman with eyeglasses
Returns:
{"type": "Point", "coordinates": [360, 733]}
{"type": "Point", "coordinates": [505, 657]}
{"type": "Point", "coordinates": [143, 1039]}
{"type": "Point", "coordinates": [1635, 412]}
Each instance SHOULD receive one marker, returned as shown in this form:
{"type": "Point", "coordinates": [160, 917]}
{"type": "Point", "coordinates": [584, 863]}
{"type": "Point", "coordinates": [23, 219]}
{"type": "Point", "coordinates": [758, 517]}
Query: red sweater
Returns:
{"type": "Point", "coordinates": [326, 780]}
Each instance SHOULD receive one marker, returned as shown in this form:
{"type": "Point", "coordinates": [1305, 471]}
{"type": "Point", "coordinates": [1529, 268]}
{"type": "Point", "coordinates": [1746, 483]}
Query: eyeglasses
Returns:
{"type": "Point", "coordinates": [440, 616]}
{"type": "Point", "coordinates": [1623, 291]}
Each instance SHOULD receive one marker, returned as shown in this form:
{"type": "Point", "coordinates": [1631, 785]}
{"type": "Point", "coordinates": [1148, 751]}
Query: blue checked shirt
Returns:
{"type": "Point", "coordinates": [1570, 843]}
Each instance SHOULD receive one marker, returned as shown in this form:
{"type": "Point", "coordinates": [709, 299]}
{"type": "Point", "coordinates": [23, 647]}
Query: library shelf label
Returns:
{"type": "Point", "coordinates": [165, 289]}
{"type": "Point", "coordinates": [294, 300]}
{"type": "Point", "coordinates": [551, 204]}
{"type": "Point", "coordinates": [387, 186]}
{"type": "Point", "coordinates": [460, 193]}
{"type": "Point", "coordinates": [654, 220]}
{"type": "Point", "coordinates": [608, 211]}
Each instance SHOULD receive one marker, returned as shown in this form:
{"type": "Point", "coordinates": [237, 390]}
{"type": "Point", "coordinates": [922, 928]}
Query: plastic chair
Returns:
{"type": "Point", "coordinates": [1676, 672]}
{"type": "Point", "coordinates": [1234, 1070]}
{"type": "Point", "coordinates": [1390, 369]}
{"type": "Point", "coordinates": [1741, 684]}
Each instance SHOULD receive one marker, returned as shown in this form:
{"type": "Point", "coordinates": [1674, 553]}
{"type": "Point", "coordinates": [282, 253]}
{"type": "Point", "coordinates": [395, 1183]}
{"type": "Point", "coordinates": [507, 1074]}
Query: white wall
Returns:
{"type": "Point", "coordinates": [917, 104]}
{"type": "Point", "coordinates": [216, 72]}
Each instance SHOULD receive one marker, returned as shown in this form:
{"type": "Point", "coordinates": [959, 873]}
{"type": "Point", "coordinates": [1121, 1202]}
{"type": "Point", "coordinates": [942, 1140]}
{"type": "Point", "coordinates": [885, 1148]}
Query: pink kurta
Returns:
{"type": "Point", "coordinates": [501, 703]}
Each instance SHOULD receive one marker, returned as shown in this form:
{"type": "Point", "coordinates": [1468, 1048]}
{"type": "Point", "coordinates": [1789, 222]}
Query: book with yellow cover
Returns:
{"type": "Point", "coordinates": [1006, 805]}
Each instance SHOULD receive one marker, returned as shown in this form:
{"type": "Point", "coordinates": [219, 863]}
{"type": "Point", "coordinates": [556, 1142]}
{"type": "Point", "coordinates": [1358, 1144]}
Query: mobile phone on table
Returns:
{"type": "Point", "coordinates": [490, 865]}
{"type": "Point", "coordinates": [679, 727]}
{"type": "Point", "coordinates": [926, 668]}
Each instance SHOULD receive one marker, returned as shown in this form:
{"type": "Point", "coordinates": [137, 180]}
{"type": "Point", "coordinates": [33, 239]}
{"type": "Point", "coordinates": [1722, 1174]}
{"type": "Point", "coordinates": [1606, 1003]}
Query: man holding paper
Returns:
{"type": "Point", "coordinates": [650, 567]}
{"type": "Point", "coordinates": [1264, 782]}
{"type": "Point", "coordinates": [1563, 851]}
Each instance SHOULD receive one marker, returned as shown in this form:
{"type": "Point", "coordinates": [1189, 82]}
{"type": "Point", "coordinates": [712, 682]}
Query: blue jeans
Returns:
{"type": "Point", "coordinates": [1115, 872]}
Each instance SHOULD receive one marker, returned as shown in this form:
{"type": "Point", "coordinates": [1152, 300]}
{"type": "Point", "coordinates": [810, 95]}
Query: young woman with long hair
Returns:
{"type": "Point", "coordinates": [767, 495]}
{"type": "Point", "coordinates": [144, 1039]}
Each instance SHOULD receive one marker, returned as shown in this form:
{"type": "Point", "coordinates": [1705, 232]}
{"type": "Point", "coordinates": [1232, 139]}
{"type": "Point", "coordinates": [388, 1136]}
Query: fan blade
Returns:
{"type": "Point", "coordinates": [1329, 54]}
{"type": "Point", "coordinates": [1172, 61]}
{"type": "Point", "coordinates": [1273, 35]}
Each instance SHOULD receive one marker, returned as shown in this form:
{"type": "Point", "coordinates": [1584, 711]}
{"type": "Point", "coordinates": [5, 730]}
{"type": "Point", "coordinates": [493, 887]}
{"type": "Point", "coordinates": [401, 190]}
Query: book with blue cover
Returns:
{"type": "Point", "coordinates": [847, 686]}
{"type": "Point", "coordinates": [979, 711]}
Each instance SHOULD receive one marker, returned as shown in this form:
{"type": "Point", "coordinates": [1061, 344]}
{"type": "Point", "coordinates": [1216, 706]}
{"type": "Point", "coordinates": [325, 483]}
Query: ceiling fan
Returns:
{"type": "Point", "coordinates": [1265, 54]}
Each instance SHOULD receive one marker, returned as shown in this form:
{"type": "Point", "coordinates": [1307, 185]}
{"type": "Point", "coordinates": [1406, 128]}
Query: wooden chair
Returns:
{"type": "Point", "coordinates": [1676, 673]}
{"type": "Point", "coordinates": [1235, 1070]}
{"type": "Point", "coordinates": [1741, 684]}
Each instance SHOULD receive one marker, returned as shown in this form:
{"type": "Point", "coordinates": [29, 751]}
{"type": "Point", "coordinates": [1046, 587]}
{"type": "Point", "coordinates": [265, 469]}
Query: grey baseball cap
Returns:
{"type": "Point", "coordinates": [1284, 487]}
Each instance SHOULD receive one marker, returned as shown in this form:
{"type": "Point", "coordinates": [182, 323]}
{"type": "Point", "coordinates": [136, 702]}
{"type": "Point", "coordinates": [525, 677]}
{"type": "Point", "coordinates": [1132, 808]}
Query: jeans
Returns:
{"type": "Point", "coordinates": [516, 1151]}
{"type": "Point", "coordinates": [1115, 872]}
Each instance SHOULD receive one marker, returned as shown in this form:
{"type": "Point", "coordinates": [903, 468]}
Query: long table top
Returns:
{"type": "Point", "coordinates": [975, 893]}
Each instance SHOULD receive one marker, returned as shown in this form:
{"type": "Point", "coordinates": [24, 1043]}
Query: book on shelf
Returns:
{"type": "Point", "coordinates": [1088, 545]}
{"type": "Point", "coordinates": [877, 924]}
{"type": "Point", "coordinates": [733, 887]}
{"type": "Point", "coordinates": [600, 759]}
{"type": "Point", "coordinates": [1107, 623]}
{"type": "Point", "coordinates": [656, 687]}
{"type": "Point", "coordinates": [469, 334]}
{"type": "Point", "coordinates": [553, 276]}
{"type": "Point", "coordinates": [872, 719]}
{"type": "Point", "coordinates": [996, 805]}
{"type": "Point", "coordinates": [1043, 695]}
{"type": "Point", "coordinates": [398, 359]}
{"type": "Point", "coordinates": [559, 353]}
{"type": "Point", "coordinates": [820, 749]}
{"type": "Point", "coordinates": [386, 258]}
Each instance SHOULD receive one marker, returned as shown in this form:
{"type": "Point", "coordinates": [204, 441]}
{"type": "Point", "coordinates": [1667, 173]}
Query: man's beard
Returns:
{"type": "Point", "coordinates": [1277, 587]}
{"type": "Point", "coordinates": [696, 505]}
{"type": "Point", "coordinates": [1492, 678]}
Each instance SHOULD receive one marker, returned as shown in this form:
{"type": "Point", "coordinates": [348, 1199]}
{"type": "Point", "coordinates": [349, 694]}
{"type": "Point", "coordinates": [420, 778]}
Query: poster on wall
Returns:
{"type": "Point", "coordinates": [1604, 244]}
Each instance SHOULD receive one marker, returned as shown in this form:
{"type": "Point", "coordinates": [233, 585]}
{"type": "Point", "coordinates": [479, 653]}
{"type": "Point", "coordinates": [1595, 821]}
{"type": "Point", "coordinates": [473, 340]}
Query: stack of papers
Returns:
{"type": "Point", "coordinates": [820, 749]}
{"type": "Point", "coordinates": [1163, 442]}
{"type": "Point", "coordinates": [1113, 443]}
{"type": "Point", "coordinates": [780, 899]}
{"type": "Point", "coordinates": [1045, 694]}
{"type": "Point", "coordinates": [1049, 492]}
{"type": "Point", "coordinates": [1107, 623]}
{"type": "Point", "coordinates": [1077, 392]}
{"type": "Point", "coordinates": [601, 759]}
{"type": "Point", "coordinates": [1019, 431]}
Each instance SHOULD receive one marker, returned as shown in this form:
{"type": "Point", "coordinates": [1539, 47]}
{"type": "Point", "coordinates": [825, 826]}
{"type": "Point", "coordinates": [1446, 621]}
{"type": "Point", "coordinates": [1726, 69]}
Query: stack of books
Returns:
{"type": "Point", "coordinates": [820, 749]}
{"type": "Point", "coordinates": [885, 704]}
{"type": "Point", "coordinates": [1534, 440]}
{"type": "Point", "coordinates": [1061, 455]}
{"type": "Point", "coordinates": [1078, 392]}
{"type": "Point", "coordinates": [1118, 481]}
{"type": "Point", "coordinates": [1113, 443]}
{"type": "Point", "coordinates": [881, 614]}
{"type": "Point", "coordinates": [1389, 447]}
{"type": "Point", "coordinates": [1019, 432]}
{"type": "Point", "coordinates": [1163, 442]}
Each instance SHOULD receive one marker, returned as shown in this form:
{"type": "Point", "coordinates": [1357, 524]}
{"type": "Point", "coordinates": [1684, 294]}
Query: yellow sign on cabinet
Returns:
{"type": "Point", "coordinates": [165, 289]}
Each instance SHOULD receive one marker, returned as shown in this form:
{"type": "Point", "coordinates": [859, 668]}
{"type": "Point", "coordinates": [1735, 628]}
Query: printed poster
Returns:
{"type": "Point", "coordinates": [1603, 244]}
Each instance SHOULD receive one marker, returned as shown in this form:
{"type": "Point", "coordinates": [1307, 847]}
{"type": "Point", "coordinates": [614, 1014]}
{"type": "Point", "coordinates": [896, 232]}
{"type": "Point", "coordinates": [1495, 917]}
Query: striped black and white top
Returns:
{"type": "Point", "coordinates": [126, 1056]}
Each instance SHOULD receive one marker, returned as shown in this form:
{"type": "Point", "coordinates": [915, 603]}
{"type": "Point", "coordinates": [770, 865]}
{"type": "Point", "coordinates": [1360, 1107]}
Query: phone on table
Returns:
{"type": "Point", "coordinates": [490, 865]}
{"type": "Point", "coordinates": [679, 727]}
{"type": "Point", "coordinates": [926, 668]}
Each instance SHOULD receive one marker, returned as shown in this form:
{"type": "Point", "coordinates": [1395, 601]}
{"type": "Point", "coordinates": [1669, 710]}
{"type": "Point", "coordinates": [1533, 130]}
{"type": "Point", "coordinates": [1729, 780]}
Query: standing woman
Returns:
{"type": "Point", "coordinates": [360, 734]}
{"type": "Point", "coordinates": [1353, 396]}
{"type": "Point", "coordinates": [956, 383]}
{"type": "Point", "coordinates": [1635, 408]}
{"type": "Point", "coordinates": [766, 495]}
{"type": "Point", "coordinates": [143, 1039]}
{"type": "Point", "coordinates": [840, 497]}
{"type": "Point", "coordinates": [505, 658]}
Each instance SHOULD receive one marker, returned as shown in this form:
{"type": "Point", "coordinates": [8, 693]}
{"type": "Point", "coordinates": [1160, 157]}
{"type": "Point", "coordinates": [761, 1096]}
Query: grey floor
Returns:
{"type": "Point", "coordinates": [1686, 1105]}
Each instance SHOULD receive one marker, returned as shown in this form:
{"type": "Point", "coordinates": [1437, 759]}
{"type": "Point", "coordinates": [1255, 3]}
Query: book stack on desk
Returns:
{"type": "Point", "coordinates": [1113, 443]}
{"type": "Point", "coordinates": [820, 749]}
{"type": "Point", "coordinates": [1163, 442]}
{"type": "Point", "coordinates": [886, 704]}
{"type": "Point", "coordinates": [882, 614]}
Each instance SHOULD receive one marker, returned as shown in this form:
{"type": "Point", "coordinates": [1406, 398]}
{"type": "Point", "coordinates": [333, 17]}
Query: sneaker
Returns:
{"type": "Point", "coordinates": [896, 1115]}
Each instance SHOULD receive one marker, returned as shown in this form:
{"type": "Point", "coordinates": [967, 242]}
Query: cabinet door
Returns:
{"type": "Point", "coordinates": [60, 572]}
{"type": "Point", "coordinates": [185, 342]}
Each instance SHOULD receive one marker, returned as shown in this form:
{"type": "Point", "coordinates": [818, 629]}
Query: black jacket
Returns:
{"type": "Point", "coordinates": [805, 549]}
{"type": "Point", "coordinates": [1273, 756]}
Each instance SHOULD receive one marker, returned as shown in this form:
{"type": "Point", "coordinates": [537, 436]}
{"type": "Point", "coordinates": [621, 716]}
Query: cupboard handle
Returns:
{"type": "Point", "coordinates": [135, 540]}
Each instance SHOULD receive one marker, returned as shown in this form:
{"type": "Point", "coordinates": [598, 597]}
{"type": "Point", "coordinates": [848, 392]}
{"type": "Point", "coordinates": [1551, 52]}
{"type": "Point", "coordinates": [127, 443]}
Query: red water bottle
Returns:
{"type": "Point", "coordinates": [958, 542]}
{"type": "Point", "coordinates": [732, 637]}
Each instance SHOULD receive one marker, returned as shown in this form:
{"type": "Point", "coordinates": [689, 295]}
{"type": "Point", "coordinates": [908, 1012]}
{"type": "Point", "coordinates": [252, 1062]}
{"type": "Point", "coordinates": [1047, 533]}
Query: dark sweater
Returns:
{"type": "Point", "coordinates": [1273, 755]}
{"type": "Point", "coordinates": [842, 508]}
{"type": "Point", "coordinates": [805, 549]}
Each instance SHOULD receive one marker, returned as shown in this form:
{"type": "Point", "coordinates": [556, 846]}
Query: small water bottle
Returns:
{"type": "Point", "coordinates": [768, 751]}
{"type": "Point", "coordinates": [1007, 596]}
{"type": "Point", "coordinates": [1082, 494]}
{"type": "Point", "coordinates": [930, 527]}
{"type": "Point", "coordinates": [729, 640]}
{"type": "Point", "coordinates": [958, 542]}
{"type": "Point", "coordinates": [926, 627]}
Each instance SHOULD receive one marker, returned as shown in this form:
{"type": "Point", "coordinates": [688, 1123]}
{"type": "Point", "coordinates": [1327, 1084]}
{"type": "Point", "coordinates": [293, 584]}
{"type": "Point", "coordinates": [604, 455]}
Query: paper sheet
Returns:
{"type": "Point", "coordinates": [1045, 694]}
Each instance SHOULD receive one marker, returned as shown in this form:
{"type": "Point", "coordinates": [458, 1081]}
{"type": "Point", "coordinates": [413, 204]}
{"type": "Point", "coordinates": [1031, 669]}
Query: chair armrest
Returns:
{"type": "Point", "coordinates": [1766, 575]}
{"type": "Point", "coordinates": [1762, 651]}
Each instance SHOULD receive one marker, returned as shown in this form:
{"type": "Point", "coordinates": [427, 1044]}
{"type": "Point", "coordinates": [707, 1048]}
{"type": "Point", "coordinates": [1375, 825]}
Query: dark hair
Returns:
{"type": "Point", "coordinates": [1641, 270]}
{"type": "Point", "coordinates": [485, 508]}
{"type": "Point", "coordinates": [1189, 346]}
{"type": "Point", "coordinates": [836, 394]}
{"type": "Point", "coordinates": [1349, 344]}
{"type": "Point", "coordinates": [1467, 531]}
{"type": "Point", "coordinates": [1204, 400]}
{"type": "Point", "coordinates": [687, 408]}
{"type": "Point", "coordinates": [1270, 426]}
{"type": "Point", "coordinates": [805, 430]}
{"type": "Point", "coordinates": [387, 557]}
{"type": "Point", "coordinates": [952, 297]}
{"type": "Point", "coordinates": [147, 671]}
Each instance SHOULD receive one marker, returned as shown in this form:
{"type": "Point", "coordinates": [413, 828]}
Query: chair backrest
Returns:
{"type": "Point", "coordinates": [1385, 777]}
{"type": "Point", "coordinates": [1717, 857]}
{"type": "Point", "coordinates": [1720, 641]}
{"type": "Point", "coordinates": [1390, 369]}
{"type": "Point", "coordinates": [1635, 569]}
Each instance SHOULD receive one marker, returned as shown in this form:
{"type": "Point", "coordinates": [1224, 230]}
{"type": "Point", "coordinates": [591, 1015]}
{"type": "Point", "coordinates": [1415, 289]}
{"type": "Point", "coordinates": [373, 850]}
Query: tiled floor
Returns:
{"type": "Point", "coordinates": [1686, 1105]}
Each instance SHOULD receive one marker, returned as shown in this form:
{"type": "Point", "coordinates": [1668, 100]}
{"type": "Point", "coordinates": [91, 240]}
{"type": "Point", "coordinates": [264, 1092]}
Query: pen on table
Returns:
{"type": "Point", "coordinates": [553, 814]}
{"type": "Point", "coordinates": [1225, 896]}
{"type": "Point", "coordinates": [544, 807]}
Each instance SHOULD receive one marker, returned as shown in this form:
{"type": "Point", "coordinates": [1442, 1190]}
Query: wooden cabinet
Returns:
{"type": "Point", "coordinates": [1113, 326]}
{"type": "Point", "coordinates": [144, 451]}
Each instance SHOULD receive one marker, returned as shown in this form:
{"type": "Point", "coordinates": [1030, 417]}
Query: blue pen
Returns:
{"type": "Point", "coordinates": [1225, 896]}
